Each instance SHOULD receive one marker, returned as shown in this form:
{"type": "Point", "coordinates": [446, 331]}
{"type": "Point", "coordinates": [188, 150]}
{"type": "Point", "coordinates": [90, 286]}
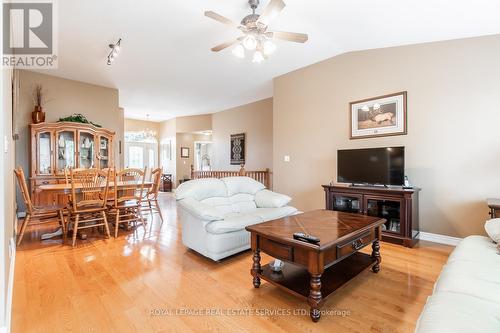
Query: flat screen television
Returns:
{"type": "Point", "coordinates": [373, 166]}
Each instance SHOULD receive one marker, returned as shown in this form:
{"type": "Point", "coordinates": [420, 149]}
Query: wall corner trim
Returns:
{"type": "Point", "coordinates": [437, 238]}
{"type": "Point", "coordinates": [10, 286]}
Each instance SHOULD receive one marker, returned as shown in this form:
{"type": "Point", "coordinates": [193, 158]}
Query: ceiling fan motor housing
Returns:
{"type": "Point", "coordinates": [253, 4]}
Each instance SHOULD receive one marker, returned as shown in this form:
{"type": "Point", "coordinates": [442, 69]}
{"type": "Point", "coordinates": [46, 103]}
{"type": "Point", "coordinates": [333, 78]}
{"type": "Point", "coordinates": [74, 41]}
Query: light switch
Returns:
{"type": "Point", "coordinates": [6, 145]}
{"type": "Point", "coordinates": [286, 158]}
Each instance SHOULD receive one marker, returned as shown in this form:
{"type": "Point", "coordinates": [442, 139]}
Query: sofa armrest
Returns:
{"type": "Point", "coordinates": [200, 209]}
{"type": "Point", "coordinates": [270, 199]}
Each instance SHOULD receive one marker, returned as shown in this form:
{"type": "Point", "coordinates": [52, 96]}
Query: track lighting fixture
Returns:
{"type": "Point", "coordinates": [115, 49]}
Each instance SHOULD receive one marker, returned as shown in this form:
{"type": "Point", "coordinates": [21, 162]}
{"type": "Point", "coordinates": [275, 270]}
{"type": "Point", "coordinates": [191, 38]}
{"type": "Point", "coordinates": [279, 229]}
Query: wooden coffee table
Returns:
{"type": "Point", "coordinates": [313, 271]}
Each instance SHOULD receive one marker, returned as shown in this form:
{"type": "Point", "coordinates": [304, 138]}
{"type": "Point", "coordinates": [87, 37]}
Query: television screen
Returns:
{"type": "Point", "coordinates": [374, 166]}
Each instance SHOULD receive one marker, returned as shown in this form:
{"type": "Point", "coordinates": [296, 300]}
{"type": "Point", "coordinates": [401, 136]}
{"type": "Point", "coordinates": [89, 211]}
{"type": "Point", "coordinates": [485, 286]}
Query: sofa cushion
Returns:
{"type": "Point", "coordinates": [246, 185]}
{"type": "Point", "coordinates": [476, 248]}
{"type": "Point", "coordinates": [232, 222]}
{"type": "Point", "coordinates": [200, 209]}
{"type": "Point", "coordinates": [458, 313]}
{"type": "Point", "coordinates": [269, 199]}
{"type": "Point", "coordinates": [471, 278]}
{"type": "Point", "coordinates": [201, 189]}
{"type": "Point", "coordinates": [222, 204]}
{"type": "Point", "coordinates": [242, 202]}
{"type": "Point", "coordinates": [268, 214]}
{"type": "Point", "coordinates": [492, 228]}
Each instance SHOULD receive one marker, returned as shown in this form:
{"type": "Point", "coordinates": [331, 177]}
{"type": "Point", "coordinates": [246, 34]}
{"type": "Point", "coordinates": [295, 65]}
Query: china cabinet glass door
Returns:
{"type": "Point", "coordinates": [44, 153]}
{"type": "Point", "coordinates": [86, 150]}
{"type": "Point", "coordinates": [65, 150]}
{"type": "Point", "coordinates": [104, 152]}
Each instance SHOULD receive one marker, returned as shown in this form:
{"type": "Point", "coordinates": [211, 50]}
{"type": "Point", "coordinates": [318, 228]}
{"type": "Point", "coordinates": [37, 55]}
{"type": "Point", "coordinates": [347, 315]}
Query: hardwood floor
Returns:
{"type": "Point", "coordinates": [137, 282]}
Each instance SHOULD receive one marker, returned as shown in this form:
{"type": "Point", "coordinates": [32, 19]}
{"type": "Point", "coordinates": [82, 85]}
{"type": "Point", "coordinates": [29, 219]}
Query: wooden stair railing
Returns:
{"type": "Point", "coordinates": [262, 176]}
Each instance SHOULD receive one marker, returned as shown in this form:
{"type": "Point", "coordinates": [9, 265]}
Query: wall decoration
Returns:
{"type": "Point", "coordinates": [184, 152]}
{"type": "Point", "coordinates": [237, 149]}
{"type": "Point", "coordinates": [378, 116]}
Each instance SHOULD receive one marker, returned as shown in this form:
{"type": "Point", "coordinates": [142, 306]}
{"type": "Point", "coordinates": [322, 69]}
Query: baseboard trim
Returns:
{"type": "Point", "coordinates": [437, 238]}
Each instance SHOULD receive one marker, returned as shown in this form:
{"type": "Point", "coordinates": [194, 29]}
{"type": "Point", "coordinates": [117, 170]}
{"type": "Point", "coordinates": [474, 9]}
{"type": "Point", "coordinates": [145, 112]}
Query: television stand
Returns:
{"type": "Point", "coordinates": [397, 205]}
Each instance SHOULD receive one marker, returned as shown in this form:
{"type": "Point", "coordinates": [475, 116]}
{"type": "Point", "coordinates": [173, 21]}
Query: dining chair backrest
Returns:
{"type": "Point", "coordinates": [21, 180]}
{"type": "Point", "coordinates": [89, 187]}
{"type": "Point", "coordinates": [67, 173]}
{"type": "Point", "coordinates": [156, 179]}
{"type": "Point", "coordinates": [129, 185]}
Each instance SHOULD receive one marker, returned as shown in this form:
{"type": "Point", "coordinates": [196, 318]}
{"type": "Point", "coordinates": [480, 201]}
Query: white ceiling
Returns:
{"type": "Point", "coordinates": [166, 67]}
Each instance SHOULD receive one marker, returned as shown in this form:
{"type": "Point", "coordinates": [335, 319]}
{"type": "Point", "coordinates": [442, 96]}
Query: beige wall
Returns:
{"type": "Point", "coordinates": [134, 125]}
{"type": "Point", "coordinates": [168, 132]}
{"type": "Point", "coordinates": [184, 164]}
{"type": "Point", "coordinates": [453, 141]}
{"type": "Point", "coordinates": [254, 119]}
{"type": "Point", "coordinates": [191, 124]}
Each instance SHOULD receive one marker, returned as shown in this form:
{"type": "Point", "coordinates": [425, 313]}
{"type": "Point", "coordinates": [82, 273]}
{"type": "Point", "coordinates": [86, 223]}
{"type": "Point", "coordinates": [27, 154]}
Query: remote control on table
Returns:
{"type": "Point", "coordinates": [305, 237]}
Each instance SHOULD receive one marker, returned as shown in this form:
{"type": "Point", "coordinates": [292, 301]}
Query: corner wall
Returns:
{"type": "Point", "coordinates": [453, 141]}
{"type": "Point", "coordinates": [256, 121]}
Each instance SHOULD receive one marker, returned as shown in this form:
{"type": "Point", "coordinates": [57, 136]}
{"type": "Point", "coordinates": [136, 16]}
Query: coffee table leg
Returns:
{"type": "Point", "coordinates": [315, 297]}
{"type": "Point", "coordinates": [256, 268]}
{"type": "Point", "coordinates": [376, 255]}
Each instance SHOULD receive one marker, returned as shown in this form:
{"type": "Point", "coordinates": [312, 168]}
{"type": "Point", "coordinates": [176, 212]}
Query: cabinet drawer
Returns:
{"type": "Point", "coordinates": [39, 182]}
{"type": "Point", "coordinates": [276, 250]}
{"type": "Point", "coordinates": [355, 244]}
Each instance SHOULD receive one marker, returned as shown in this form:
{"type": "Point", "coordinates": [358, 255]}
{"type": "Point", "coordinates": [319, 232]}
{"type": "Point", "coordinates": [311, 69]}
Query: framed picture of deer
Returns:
{"type": "Point", "coordinates": [378, 116]}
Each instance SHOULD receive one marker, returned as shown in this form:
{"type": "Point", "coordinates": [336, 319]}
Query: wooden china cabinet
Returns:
{"type": "Point", "coordinates": [57, 146]}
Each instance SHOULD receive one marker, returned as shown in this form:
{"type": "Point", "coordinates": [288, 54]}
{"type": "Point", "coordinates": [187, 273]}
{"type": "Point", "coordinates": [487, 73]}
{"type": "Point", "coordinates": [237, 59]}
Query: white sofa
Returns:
{"type": "Point", "coordinates": [466, 297]}
{"type": "Point", "coordinates": [214, 213]}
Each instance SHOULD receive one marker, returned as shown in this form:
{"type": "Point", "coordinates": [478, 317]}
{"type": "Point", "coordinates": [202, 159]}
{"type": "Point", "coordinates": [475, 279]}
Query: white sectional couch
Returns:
{"type": "Point", "coordinates": [466, 297]}
{"type": "Point", "coordinates": [214, 213]}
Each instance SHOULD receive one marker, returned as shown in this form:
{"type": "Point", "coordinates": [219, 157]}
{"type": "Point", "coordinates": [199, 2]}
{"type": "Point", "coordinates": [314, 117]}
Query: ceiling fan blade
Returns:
{"type": "Point", "coordinates": [289, 36]}
{"type": "Point", "coordinates": [271, 11]}
{"type": "Point", "coordinates": [221, 19]}
{"type": "Point", "coordinates": [223, 46]}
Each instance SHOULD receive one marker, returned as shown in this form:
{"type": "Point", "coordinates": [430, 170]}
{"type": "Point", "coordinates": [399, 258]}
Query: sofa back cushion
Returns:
{"type": "Point", "coordinates": [237, 185]}
{"type": "Point", "coordinates": [200, 189]}
{"type": "Point", "coordinates": [242, 202]}
{"type": "Point", "coordinates": [221, 204]}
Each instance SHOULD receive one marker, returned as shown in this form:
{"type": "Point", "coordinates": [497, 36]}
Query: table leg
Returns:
{"type": "Point", "coordinates": [315, 297]}
{"type": "Point", "coordinates": [376, 255]}
{"type": "Point", "coordinates": [256, 268]}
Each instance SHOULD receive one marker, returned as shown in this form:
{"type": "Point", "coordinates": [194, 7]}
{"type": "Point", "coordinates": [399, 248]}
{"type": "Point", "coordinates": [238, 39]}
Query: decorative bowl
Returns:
{"type": "Point", "coordinates": [276, 265]}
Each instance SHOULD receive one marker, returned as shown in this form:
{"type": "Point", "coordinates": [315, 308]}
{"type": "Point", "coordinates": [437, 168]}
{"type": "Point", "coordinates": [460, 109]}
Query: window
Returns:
{"type": "Point", "coordinates": [140, 151]}
{"type": "Point", "coordinates": [135, 157]}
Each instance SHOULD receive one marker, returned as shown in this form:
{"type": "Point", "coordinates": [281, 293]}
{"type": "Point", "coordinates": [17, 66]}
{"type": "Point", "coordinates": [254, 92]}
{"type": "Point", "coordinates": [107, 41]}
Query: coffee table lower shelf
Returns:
{"type": "Point", "coordinates": [295, 279]}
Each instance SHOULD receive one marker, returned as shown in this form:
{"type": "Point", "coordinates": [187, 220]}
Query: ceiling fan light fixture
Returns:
{"type": "Point", "coordinates": [258, 57]}
{"type": "Point", "coordinates": [239, 51]}
{"type": "Point", "coordinates": [268, 47]}
{"type": "Point", "coordinates": [250, 42]}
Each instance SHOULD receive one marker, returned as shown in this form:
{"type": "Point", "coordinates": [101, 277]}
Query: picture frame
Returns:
{"type": "Point", "coordinates": [379, 116]}
{"type": "Point", "coordinates": [237, 152]}
{"type": "Point", "coordinates": [184, 152]}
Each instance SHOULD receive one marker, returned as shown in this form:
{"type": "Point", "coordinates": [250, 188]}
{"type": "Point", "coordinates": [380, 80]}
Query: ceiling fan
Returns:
{"type": "Point", "coordinates": [254, 27]}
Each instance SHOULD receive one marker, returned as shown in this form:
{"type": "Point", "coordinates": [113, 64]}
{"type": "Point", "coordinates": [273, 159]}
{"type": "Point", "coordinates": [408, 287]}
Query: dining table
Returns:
{"type": "Point", "coordinates": [67, 189]}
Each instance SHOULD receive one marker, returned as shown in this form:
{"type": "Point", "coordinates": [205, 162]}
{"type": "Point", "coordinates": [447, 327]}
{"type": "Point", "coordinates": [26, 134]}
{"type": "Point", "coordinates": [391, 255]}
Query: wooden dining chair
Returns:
{"type": "Point", "coordinates": [150, 199]}
{"type": "Point", "coordinates": [89, 190]}
{"type": "Point", "coordinates": [36, 213]}
{"type": "Point", "coordinates": [128, 187]}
